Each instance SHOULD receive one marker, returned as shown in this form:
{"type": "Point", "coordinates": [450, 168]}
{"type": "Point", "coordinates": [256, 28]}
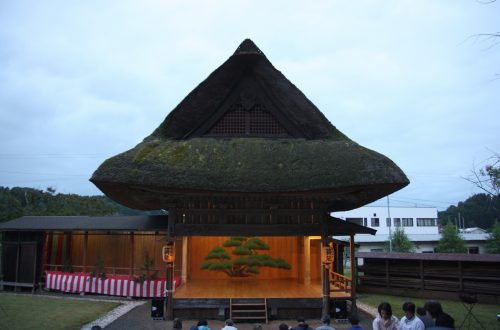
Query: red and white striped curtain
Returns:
{"type": "Point", "coordinates": [113, 285]}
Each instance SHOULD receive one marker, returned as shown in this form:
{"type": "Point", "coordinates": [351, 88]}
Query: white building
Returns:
{"type": "Point", "coordinates": [419, 223]}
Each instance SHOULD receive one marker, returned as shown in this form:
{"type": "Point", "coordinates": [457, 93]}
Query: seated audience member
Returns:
{"type": "Point", "coordinates": [229, 325]}
{"type": "Point", "coordinates": [177, 324]}
{"type": "Point", "coordinates": [257, 326]}
{"type": "Point", "coordinates": [326, 323]}
{"type": "Point", "coordinates": [385, 320]}
{"type": "Point", "coordinates": [410, 321]}
{"type": "Point", "coordinates": [202, 325]}
{"type": "Point", "coordinates": [302, 325]}
{"type": "Point", "coordinates": [284, 326]}
{"type": "Point", "coordinates": [441, 319]}
{"type": "Point", "coordinates": [355, 323]}
{"type": "Point", "coordinates": [426, 319]}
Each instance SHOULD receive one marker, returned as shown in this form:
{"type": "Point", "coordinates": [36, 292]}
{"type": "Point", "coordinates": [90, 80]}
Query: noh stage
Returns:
{"type": "Point", "coordinates": [246, 154]}
{"type": "Point", "coordinates": [280, 299]}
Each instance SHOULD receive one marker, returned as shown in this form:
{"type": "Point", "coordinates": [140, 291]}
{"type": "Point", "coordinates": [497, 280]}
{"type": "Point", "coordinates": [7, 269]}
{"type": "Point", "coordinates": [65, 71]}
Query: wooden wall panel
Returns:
{"type": "Point", "coordinates": [152, 244]}
{"type": "Point", "coordinates": [280, 247]}
{"type": "Point", "coordinates": [77, 251]}
{"type": "Point", "coordinates": [115, 251]}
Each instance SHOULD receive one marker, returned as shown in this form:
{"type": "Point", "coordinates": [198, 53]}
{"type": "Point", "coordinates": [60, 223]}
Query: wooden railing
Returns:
{"type": "Point", "coordinates": [339, 282]}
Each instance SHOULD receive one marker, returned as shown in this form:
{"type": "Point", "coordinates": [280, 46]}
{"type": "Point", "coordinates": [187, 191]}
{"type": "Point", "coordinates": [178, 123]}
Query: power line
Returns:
{"type": "Point", "coordinates": [38, 173]}
{"type": "Point", "coordinates": [60, 156]}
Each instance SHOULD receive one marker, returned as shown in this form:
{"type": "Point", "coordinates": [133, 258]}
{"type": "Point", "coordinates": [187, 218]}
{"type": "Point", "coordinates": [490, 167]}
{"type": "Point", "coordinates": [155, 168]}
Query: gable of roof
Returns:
{"type": "Point", "coordinates": [246, 77]}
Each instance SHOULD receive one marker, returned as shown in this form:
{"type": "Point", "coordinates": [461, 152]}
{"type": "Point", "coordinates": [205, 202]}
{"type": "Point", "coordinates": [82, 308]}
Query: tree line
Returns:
{"type": "Point", "coordinates": [480, 210]}
{"type": "Point", "coordinates": [19, 201]}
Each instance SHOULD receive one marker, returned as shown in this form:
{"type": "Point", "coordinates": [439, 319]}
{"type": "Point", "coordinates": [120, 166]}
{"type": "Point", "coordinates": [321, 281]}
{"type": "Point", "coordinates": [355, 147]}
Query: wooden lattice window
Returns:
{"type": "Point", "coordinates": [254, 122]}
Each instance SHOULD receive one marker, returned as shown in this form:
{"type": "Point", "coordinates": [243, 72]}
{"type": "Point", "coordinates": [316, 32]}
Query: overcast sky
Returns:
{"type": "Point", "coordinates": [81, 81]}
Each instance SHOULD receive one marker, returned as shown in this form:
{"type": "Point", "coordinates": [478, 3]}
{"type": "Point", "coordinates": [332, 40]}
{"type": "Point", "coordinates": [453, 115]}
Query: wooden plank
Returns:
{"type": "Point", "coordinates": [247, 288]}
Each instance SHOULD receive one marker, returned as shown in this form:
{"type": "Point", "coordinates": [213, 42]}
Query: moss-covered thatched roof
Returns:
{"type": "Point", "coordinates": [314, 160]}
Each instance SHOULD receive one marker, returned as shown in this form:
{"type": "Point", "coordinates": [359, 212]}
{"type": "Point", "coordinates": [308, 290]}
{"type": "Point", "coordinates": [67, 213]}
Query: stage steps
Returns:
{"type": "Point", "coordinates": [248, 309]}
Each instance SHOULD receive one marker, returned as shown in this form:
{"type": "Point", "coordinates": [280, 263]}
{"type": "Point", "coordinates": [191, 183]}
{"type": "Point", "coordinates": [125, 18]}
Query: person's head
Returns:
{"type": "Point", "coordinates": [202, 322]}
{"type": "Point", "coordinates": [325, 319]}
{"type": "Point", "coordinates": [409, 309]}
{"type": "Point", "coordinates": [229, 322]}
{"type": "Point", "coordinates": [177, 324]}
{"type": "Point", "coordinates": [421, 311]}
{"type": "Point", "coordinates": [257, 326]}
{"type": "Point", "coordinates": [301, 319]}
{"type": "Point", "coordinates": [433, 308]}
{"type": "Point", "coordinates": [283, 326]}
{"type": "Point", "coordinates": [385, 310]}
{"type": "Point", "coordinates": [354, 320]}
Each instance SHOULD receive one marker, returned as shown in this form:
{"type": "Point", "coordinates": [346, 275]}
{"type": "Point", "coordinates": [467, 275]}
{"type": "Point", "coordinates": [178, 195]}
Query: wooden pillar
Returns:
{"type": "Point", "coordinates": [170, 269]}
{"type": "Point", "coordinates": [422, 283]}
{"type": "Point", "coordinates": [34, 267]}
{"type": "Point", "coordinates": [307, 260]}
{"type": "Point", "coordinates": [460, 276]}
{"type": "Point", "coordinates": [47, 249]}
{"type": "Point", "coordinates": [1, 260]}
{"type": "Point", "coordinates": [132, 254]}
{"type": "Point", "coordinates": [84, 254]}
{"type": "Point", "coordinates": [185, 259]}
{"type": "Point", "coordinates": [325, 278]}
{"type": "Point", "coordinates": [354, 275]}
{"type": "Point", "coordinates": [18, 252]}
{"type": "Point", "coordinates": [67, 252]}
{"type": "Point", "coordinates": [387, 283]}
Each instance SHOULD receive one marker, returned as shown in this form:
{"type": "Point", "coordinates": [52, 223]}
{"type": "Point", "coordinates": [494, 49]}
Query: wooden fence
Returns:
{"type": "Point", "coordinates": [434, 275]}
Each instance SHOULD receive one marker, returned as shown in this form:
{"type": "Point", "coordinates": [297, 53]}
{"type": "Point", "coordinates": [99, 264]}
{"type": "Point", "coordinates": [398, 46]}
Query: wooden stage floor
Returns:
{"type": "Point", "coordinates": [250, 288]}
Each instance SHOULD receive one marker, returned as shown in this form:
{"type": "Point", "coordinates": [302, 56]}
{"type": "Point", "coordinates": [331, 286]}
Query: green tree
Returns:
{"type": "Point", "coordinates": [488, 177]}
{"type": "Point", "coordinates": [400, 242]}
{"type": "Point", "coordinates": [450, 241]}
{"type": "Point", "coordinates": [247, 260]}
{"type": "Point", "coordinates": [10, 207]}
{"type": "Point", "coordinates": [493, 242]}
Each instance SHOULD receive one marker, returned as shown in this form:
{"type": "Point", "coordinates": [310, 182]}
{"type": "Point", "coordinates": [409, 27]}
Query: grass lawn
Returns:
{"type": "Point", "coordinates": [484, 312]}
{"type": "Point", "coordinates": [39, 312]}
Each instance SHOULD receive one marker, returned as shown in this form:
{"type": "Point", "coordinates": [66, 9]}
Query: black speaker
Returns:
{"type": "Point", "coordinates": [338, 309]}
{"type": "Point", "coordinates": [157, 309]}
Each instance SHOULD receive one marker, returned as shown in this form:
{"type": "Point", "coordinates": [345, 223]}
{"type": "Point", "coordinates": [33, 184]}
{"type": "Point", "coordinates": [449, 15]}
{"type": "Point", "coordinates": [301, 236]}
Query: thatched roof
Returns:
{"type": "Point", "coordinates": [313, 158]}
{"type": "Point", "coordinates": [248, 70]}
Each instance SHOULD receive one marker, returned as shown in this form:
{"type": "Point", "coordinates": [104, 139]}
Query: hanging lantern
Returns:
{"type": "Point", "coordinates": [328, 255]}
{"type": "Point", "coordinates": [168, 253]}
